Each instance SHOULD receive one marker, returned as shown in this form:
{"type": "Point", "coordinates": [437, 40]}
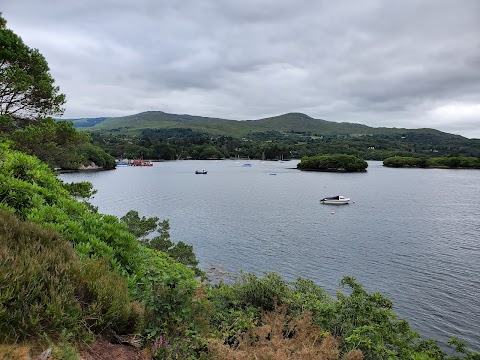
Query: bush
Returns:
{"type": "Point", "coordinates": [167, 291]}
{"type": "Point", "coordinates": [281, 336]}
{"type": "Point", "coordinates": [47, 289]}
{"type": "Point", "coordinates": [29, 189]}
{"type": "Point", "coordinates": [238, 307]}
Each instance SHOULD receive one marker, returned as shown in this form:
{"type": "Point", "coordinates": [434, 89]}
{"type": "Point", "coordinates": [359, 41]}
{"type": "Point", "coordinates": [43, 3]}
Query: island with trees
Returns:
{"type": "Point", "coordinates": [333, 163]}
{"type": "Point", "coordinates": [451, 162]}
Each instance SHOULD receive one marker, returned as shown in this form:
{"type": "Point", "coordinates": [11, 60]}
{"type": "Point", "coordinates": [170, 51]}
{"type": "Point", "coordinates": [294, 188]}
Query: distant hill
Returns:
{"type": "Point", "coordinates": [290, 122]}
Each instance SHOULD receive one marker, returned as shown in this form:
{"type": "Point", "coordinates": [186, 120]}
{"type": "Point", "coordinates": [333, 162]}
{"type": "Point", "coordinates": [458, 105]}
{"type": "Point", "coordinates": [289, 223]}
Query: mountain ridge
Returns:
{"type": "Point", "coordinates": [288, 122]}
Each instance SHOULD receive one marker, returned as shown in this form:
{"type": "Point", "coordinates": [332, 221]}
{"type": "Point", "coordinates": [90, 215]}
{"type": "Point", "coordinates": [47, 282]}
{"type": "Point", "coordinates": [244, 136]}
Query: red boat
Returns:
{"type": "Point", "coordinates": [141, 162]}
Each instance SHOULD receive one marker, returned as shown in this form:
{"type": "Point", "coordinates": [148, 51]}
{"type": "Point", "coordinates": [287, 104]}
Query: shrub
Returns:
{"type": "Point", "coordinates": [238, 307]}
{"type": "Point", "coordinates": [29, 189]}
{"type": "Point", "coordinates": [166, 289]}
{"type": "Point", "coordinates": [46, 289]}
{"type": "Point", "coordinates": [282, 336]}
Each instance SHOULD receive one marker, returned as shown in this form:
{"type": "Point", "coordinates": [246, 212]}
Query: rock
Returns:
{"type": "Point", "coordinates": [46, 354]}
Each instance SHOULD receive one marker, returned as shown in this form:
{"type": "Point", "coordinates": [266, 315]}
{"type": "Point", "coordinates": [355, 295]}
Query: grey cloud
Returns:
{"type": "Point", "coordinates": [376, 62]}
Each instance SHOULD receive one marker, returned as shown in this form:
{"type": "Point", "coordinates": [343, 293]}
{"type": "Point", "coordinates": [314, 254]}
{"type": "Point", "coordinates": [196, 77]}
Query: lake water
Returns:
{"type": "Point", "coordinates": [412, 234]}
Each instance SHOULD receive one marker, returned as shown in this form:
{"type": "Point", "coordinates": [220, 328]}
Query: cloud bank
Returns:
{"type": "Point", "coordinates": [380, 63]}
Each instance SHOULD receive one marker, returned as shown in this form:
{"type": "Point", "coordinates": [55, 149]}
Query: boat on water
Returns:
{"type": "Point", "coordinates": [335, 200]}
{"type": "Point", "coordinates": [202, 172]}
{"type": "Point", "coordinates": [141, 162]}
{"type": "Point", "coordinates": [121, 162]}
{"type": "Point", "coordinates": [247, 165]}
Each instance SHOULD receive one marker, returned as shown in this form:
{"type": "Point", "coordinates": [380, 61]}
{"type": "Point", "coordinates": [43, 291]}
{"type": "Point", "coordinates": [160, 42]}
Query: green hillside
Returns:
{"type": "Point", "coordinates": [291, 122]}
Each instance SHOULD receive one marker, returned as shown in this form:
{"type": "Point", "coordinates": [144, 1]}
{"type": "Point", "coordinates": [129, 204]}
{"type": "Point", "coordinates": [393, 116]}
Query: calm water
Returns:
{"type": "Point", "coordinates": [412, 234]}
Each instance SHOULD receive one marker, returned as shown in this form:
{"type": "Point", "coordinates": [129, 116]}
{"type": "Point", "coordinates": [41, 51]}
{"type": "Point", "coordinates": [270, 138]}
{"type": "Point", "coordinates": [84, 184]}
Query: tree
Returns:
{"type": "Point", "coordinates": [141, 227]}
{"type": "Point", "coordinates": [59, 145]}
{"type": "Point", "coordinates": [27, 90]}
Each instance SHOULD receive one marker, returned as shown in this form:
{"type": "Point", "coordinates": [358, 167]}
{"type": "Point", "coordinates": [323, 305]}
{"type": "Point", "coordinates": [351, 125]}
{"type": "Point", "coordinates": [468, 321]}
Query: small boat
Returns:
{"type": "Point", "coordinates": [335, 200]}
{"type": "Point", "coordinates": [203, 172]}
{"type": "Point", "coordinates": [247, 165]}
{"type": "Point", "coordinates": [121, 162]}
{"type": "Point", "coordinates": [141, 162]}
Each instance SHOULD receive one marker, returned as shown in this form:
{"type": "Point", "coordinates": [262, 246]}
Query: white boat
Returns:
{"type": "Point", "coordinates": [335, 200]}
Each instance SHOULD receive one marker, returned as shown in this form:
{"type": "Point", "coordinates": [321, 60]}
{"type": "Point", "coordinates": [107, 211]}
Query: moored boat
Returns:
{"type": "Point", "coordinates": [203, 172]}
{"type": "Point", "coordinates": [141, 162]}
{"type": "Point", "coordinates": [335, 200]}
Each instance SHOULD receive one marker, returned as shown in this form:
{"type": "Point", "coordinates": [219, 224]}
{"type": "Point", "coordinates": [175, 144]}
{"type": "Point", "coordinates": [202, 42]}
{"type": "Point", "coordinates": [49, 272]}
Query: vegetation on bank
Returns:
{"type": "Point", "coordinates": [453, 162]}
{"type": "Point", "coordinates": [108, 263]}
{"type": "Point", "coordinates": [333, 163]}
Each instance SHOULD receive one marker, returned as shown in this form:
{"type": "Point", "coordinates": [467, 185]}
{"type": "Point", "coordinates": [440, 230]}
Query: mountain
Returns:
{"type": "Point", "coordinates": [290, 122]}
{"type": "Point", "coordinates": [160, 135]}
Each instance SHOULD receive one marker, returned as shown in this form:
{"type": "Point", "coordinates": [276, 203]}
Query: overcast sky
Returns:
{"type": "Point", "coordinates": [409, 63]}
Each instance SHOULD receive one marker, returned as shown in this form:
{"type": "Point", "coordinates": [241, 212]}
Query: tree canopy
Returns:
{"type": "Point", "coordinates": [27, 90]}
{"type": "Point", "coordinates": [337, 163]}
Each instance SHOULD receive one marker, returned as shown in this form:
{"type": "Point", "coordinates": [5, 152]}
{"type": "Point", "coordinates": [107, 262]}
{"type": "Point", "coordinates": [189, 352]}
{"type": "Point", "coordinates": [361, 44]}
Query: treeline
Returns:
{"type": "Point", "coordinates": [453, 162]}
{"type": "Point", "coordinates": [185, 143]}
{"type": "Point", "coordinates": [174, 144]}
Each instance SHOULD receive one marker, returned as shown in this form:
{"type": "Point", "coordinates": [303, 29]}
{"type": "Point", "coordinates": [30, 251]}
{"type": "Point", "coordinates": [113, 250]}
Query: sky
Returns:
{"type": "Point", "coordinates": [404, 64]}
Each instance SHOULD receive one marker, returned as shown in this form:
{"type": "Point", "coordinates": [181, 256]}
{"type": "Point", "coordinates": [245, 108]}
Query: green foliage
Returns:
{"type": "Point", "coordinates": [434, 162]}
{"type": "Point", "coordinates": [175, 310]}
{"type": "Point", "coordinates": [60, 145]}
{"type": "Point", "coordinates": [28, 188]}
{"type": "Point", "coordinates": [27, 88]}
{"type": "Point", "coordinates": [363, 320]}
{"type": "Point", "coordinates": [343, 163]}
{"type": "Point", "coordinates": [90, 153]}
{"type": "Point", "coordinates": [238, 307]}
{"type": "Point", "coordinates": [402, 161]}
{"type": "Point", "coordinates": [139, 226]}
{"type": "Point", "coordinates": [82, 189]}
{"type": "Point", "coordinates": [367, 322]}
{"type": "Point", "coordinates": [179, 143]}
{"type": "Point", "coordinates": [166, 289]}
{"type": "Point", "coordinates": [143, 226]}
{"type": "Point", "coordinates": [46, 289]}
